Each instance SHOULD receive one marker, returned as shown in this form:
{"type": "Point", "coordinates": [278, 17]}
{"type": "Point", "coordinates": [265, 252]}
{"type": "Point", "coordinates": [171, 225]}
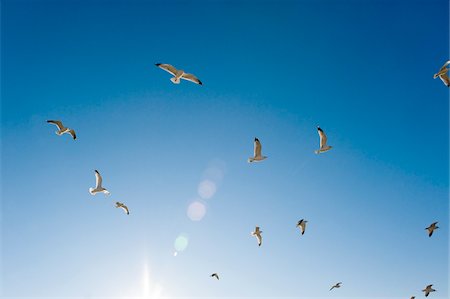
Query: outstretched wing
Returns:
{"type": "Point", "coordinates": [72, 132]}
{"type": "Point", "coordinates": [445, 79]}
{"type": "Point", "coordinates": [257, 148]}
{"type": "Point", "coordinates": [57, 123]}
{"type": "Point", "coordinates": [191, 78]}
{"type": "Point", "coordinates": [167, 67]}
{"type": "Point", "coordinates": [323, 137]}
{"type": "Point", "coordinates": [444, 67]}
{"type": "Point", "coordinates": [98, 179]}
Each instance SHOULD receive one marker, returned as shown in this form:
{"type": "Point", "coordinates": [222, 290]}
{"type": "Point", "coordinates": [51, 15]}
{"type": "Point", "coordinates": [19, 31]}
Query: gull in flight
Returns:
{"type": "Point", "coordinates": [215, 275]}
{"type": "Point", "coordinates": [442, 74]}
{"type": "Point", "coordinates": [178, 74]}
{"type": "Point", "coordinates": [123, 207]}
{"type": "Point", "coordinates": [428, 290]}
{"type": "Point", "coordinates": [431, 228]}
{"type": "Point", "coordinates": [62, 129]}
{"type": "Point", "coordinates": [302, 225]}
{"type": "Point", "coordinates": [323, 142]}
{"type": "Point", "coordinates": [257, 233]}
{"type": "Point", "coordinates": [257, 157]}
{"type": "Point", "coordinates": [413, 297]}
{"type": "Point", "coordinates": [338, 285]}
{"type": "Point", "coordinates": [98, 185]}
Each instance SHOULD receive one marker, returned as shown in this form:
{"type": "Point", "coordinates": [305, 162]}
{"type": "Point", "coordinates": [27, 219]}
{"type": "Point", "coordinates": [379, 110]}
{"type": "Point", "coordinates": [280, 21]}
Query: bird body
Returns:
{"type": "Point", "coordinates": [257, 233]}
{"type": "Point", "coordinates": [323, 142]}
{"type": "Point", "coordinates": [302, 225]}
{"type": "Point", "coordinates": [62, 129]}
{"type": "Point", "coordinates": [443, 74]}
{"type": "Point", "coordinates": [98, 185]}
{"type": "Point", "coordinates": [178, 74]}
{"type": "Point", "coordinates": [428, 290]}
{"type": "Point", "coordinates": [431, 228]}
{"type": "Point", "coordinates": [123, 207]}
{"type": "Point", "coordinates": [257, 156]}
{"type": "Point", "coordinates": [338, 285]}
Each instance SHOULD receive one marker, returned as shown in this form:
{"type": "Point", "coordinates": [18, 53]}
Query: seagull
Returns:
{"type": "Point", "coordinates": [302, 225]}
{"type": "Point", "coordinates": [428, 290]}
{"type": "Point", "coordinates": [178, 74]}
{"type": "Point", "coordinates": [215, 275]}
{"type": "Point", "coordinates": [98, 185]}
{"type": "Point", "coordinates": [257, 152]}
{"type": "Point", "coordinates": [323, 142]}
{"type": "Point", "coordinates": [338, 285]}
{"type": "Point", "coordinates": [257, 233]}
{"type": "Point", "coordinates": [62, 129]}
{"type": "Point", "coordinates": [431, 228]}
{"type": "Point", "coordinates": [123, 207]}
{"type": "Point", "coordinates": [413, 297]}
{"type": "Point", "coordinates": [442, 74]}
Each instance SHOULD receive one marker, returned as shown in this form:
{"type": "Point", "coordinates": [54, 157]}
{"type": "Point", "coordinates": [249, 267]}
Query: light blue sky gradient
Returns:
{"type": "Point", "coordinates": [362, 70]}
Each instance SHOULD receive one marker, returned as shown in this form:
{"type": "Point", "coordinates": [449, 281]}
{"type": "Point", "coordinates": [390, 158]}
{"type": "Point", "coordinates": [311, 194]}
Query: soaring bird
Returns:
{"type": "Point", "coordinates": [338, 285]}
{"type": "Point", "coordinates": [431, 228]}
{"type": "Point", "coordinates": [215, 275]}
{"type": "Point", "coordinates": [257, 157]}
{"type": "Point", "coordinates": [178, 74]}
{"type": "Point", "coordinates": [323, 142]}
{"type": "Point", "coordinates": [257, 233]}
{"type": "Point", "coordinates": [428, 290]}
{"type": "Point", "coordinates": [413, 297]}
{"type": "Point", "coordinates": [123, 207]}
{"type": "Point", "coordinates": [62, 129]}
{"type": "Point", "coordinates": [98, 185]}
{"type": "Point", "coordinates": [302, 225]}
{"type": "Point", "coordinates": [442, 74]}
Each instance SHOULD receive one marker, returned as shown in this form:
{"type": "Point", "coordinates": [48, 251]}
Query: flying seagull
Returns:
{"type": "Point", "coordinates": [338, 285]}
{"type": "Point", "coordinates": [257, 157]}
{"type": "Point", "coordinates": [428, 290]}
{"type": "Point", "coordinates": [302, 225]}
{"type": "Point", "coordinates": [431, 228]}
{"type": "Point", "coordinates": [215, 275]}
{"type": "Point", "coordinates": [257, 233]}
{"type": "Point", "coordinates": [98, 185]}
{"type": "Point", "coordinates": [413, 297]}
{"type": "Point", "coordinates": [323, 142]}
{"type": "Point", "coordinates": [178, 74]}
{"type": "Point", "coordinates": [442, 74]}
{"type": "Point", "coordinates": [62, 129]}
{"type": "Point", "coordinates": [123, 207]}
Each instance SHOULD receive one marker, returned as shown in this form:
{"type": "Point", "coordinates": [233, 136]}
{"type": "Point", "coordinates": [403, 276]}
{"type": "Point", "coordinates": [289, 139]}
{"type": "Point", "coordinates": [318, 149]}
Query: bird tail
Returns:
{"type": "Point", "coordinates": [175, 80]}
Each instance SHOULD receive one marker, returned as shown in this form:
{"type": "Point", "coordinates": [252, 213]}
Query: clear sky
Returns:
{"type": "Point", "coordinates": [177, 154]}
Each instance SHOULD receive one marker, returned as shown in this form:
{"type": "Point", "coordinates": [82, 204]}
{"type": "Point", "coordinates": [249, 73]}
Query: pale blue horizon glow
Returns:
{"type": "Point", "coordinates": [177, 154]}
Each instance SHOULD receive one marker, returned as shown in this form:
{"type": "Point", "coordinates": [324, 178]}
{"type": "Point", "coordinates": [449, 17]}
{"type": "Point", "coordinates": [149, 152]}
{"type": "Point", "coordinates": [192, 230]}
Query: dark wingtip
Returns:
{"type": "Point", "coordinates": [157, 64]}
{"type": "Point", "coordinates": [200, 82]}
{"type": "Point", "coordinates": [256, 139]}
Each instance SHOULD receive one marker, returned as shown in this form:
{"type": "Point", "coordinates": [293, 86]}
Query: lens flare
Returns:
{"type": "Point", "coordinates": [196, 211]}
{"type": "Point", "coordinates": [206, 189]}
{"type": "Point", "coordinates": [181, 243]}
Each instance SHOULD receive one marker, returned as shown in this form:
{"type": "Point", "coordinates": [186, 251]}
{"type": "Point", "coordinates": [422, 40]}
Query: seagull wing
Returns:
{"type": "Point", "coordinates": [167, 67]}
{"type": "Point", "coordinates": [323, 137]}
{"type": "Point", "coordinates": [57, 123]}
{"type": "Point", "coordinates": [191, 78]}
{"type": "Point", "coordinates": [125, 208]}
{"type": "Point", "coordinates": [98, 179]}
{"type": "Point", "coordinates": [72, 132]}
{"type": "Point", "coordinates": [259, 237]}
{"type": "Point", "coordinates": [257, 148]}
{"type": "Point", "coordinates": [444, 66]}
{"type": "Point", "coordinates": [445, 79]}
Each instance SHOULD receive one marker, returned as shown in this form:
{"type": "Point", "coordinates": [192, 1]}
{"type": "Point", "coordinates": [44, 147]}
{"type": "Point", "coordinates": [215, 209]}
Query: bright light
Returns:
{"type": "Point", "coordinates": [181, 242]}
{"type": "Point", "coordinates": [196, 211]}
{"type": "Point", "coordinates": [206, 189]}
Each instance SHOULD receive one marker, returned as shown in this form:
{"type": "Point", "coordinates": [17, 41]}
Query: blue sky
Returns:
{"type": "Point", "coordinates": [362, 70]}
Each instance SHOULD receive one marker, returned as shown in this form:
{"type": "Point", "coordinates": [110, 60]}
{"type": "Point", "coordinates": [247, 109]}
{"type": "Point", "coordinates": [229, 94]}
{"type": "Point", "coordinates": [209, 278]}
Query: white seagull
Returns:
{"type": "Point", "coordinates": [302, 225]}
{"type": "Point", "coordinates": [98, 185]}
{"type": "Point", "coordinates": [123, 207]}
{"type": "Point", "coordinates": [428, 290]}
{"type": "Point", "coordinates": [257, 157]}
{"type": "Point", "coordinates": [338, 285]}
{"type": "Point", "coordinates": [257, 233]}
{"type": "Point", "coordinates": [431, 228]}
{"type": "Point", "coordinates": [215, 275]}
{"type": "Point", "coordinates": [323, 142]}
{"type": "Point", "coordinates": [62, 129]}
{"type": "Point", "coordinates": [178, 74]}
{"type": "Point", "coordinates": [442, 74]}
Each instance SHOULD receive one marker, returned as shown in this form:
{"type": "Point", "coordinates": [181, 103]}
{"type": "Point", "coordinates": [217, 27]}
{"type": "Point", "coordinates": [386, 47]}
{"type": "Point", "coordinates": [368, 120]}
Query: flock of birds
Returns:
{"type": "Point", "coordinates": [257, 157]}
